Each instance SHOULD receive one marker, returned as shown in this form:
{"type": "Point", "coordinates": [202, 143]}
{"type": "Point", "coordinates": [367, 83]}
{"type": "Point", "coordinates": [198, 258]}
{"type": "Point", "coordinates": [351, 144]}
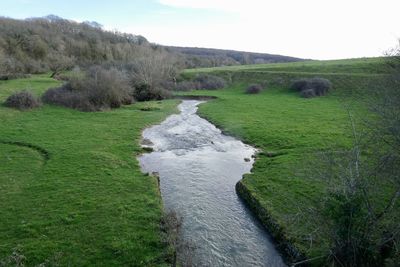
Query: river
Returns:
{"type": "Point", "coordinates": [198, 168]}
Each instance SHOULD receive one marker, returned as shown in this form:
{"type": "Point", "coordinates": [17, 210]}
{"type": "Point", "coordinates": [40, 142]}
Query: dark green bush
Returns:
{"type": "Point", "coordinates": [22, 100]}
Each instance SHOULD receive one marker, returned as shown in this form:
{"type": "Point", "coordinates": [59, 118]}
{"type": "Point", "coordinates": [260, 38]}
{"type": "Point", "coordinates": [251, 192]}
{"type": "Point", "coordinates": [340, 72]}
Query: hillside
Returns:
{"type": "Point", "coordinates": [38, 45]}
{"type": "Point", "coordinates": [208, 57]}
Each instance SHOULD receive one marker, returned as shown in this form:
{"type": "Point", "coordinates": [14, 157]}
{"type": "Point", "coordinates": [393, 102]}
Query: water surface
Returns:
{"type": "Point", "coordinates": [198, 168]}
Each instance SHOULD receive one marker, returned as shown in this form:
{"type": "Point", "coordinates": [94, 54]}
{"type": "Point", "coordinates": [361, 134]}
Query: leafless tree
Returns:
{"type": "Point", "coordinates": [59, 63]}
{"type": "Point", "coordinates": [154, 66]}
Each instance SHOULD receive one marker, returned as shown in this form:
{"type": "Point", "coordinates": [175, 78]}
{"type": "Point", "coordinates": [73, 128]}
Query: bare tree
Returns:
{"type": "Point", "coordinates": [154, 66]}
{"type": "Point", "coordinates": [59, 63]}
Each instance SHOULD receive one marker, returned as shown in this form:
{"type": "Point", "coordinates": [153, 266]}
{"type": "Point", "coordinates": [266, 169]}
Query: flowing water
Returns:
{"type": "Point", "coordinates": [198, 168]}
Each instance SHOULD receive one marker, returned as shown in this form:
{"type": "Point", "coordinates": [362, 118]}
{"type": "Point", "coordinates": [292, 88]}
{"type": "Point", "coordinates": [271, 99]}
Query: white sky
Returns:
{"type": "Point", "coordinates": [323, 29]}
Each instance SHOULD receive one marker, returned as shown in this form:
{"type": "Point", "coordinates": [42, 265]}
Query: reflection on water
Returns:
{"type": "Point", "coordinates": [198, 168]}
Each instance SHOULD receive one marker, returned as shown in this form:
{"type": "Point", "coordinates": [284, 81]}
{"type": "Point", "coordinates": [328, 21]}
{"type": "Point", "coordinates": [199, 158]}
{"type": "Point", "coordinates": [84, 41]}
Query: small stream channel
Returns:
{"type": "Point", "coordinates": [198, 168]}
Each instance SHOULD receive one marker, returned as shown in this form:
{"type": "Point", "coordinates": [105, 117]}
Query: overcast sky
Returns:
{"type": "Point", "coordinates": [317, 29]}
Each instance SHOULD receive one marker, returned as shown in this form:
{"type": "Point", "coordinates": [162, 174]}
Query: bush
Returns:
{"type": "Point", "coordinates": [167, 85]}
{"type": "Point", "coordinates": [22, 100]}
{"type": "Point", "coordinates": [321, 86]}
{"type": "Point", "coordinates": [254, 89]}
{"type": "Point", "coordinates": [209, 82]}
{"type": "Point", "coordinates": [64, 96]}
{"type": "Point", "coordinates": [187, 86]}
{"type": "Point", "coordinates": [312, 87]}
{"type": "Point", "coordinates": [144, 92]}
{"type": "Point", "coordinates": [307, 93]}
{"type": "Point", "coordinates": [99, 89]}
{"type": "Point", "coordinates": [300, 84]}
{"type": "Point", "coordinates": [108, 88]}
{"type": "Point", "coordinates": [7, 77]}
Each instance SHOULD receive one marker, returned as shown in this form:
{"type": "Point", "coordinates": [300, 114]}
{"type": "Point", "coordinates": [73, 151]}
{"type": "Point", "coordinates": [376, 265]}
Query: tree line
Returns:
{"type": "Point", "coordinates": [39, 45]}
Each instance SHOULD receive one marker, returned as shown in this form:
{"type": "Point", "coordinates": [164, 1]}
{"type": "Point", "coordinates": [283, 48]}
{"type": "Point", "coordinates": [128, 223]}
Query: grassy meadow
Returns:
{"type": "Point", "coordinates": [342, 66]}
{"type": "Point", "coordinates": [289, 130]}
{"type": "Point", "coordinates": [71, 191]}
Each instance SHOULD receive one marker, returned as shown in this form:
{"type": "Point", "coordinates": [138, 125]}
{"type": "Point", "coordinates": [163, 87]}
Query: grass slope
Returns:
{"type": "Point", "coordinates": [287, 129]}
{"type": "Point", "coordinates": [87, 203]}
{"type": "Point", "coordinates": [344, 66]}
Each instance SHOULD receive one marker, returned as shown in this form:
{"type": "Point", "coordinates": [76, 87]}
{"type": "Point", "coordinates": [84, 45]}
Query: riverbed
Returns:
{"type": "Point", "coordinates": [198, 168]}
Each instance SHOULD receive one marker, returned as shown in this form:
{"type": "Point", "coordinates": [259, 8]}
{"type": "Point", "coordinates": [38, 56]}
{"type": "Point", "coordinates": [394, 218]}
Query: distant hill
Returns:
{"type": "Point", "coordinates": [210, 57]}
{"type": "Point", "coordinates": [37, 45]}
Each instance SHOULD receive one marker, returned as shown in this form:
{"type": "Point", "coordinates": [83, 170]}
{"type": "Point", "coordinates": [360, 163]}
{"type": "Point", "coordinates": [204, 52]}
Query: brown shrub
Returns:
{"type": "Point", "coordinates": [99, 89]}
{"type": "Point", "coordinates": [22, 100]}
{"type": "Point", "coordinates": [187, 86]}
{"type": "Point", "coordinates": [209, 82]}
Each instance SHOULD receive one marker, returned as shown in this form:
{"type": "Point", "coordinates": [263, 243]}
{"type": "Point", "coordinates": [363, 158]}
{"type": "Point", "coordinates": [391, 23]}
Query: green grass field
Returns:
{"type": "Point", "coordinates": [344, 66]}
{"type": "Point", "coordinates": [288, 130]}
{"type": "Point", "coordinates": [71, 191]}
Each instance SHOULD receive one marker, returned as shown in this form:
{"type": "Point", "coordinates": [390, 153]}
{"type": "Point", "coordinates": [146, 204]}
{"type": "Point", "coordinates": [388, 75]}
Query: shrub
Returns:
{"type": "Point", "coordinates": [99, 89]}
{"type": "Point", "coordinates": [144, 92]}
{"type": "Point", "coordinates": [254, 89]}
{"type": "Point", "coordinates": [6, 77]}
{"type": "Point", "coordinates": [168, 85]}
{"type": "Point", "coordinates": [209, 82]}
{"type": "Point", "coordinates": [187, 86]}
{"type": "Point", "coordinates": [300, 84]}
{"type": "Point", "coordinates": [307, 93]}
{"type": "Point", "coordinates": [108, 88]}
{"type": "Point", "coordinates": [320, 85]}
{"type": "Point", "coordinates": [64, 96]}
{"type": "Point", "coordinates": [312, 87]}
{"type": "Point", "coordinates": [22, 100]}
